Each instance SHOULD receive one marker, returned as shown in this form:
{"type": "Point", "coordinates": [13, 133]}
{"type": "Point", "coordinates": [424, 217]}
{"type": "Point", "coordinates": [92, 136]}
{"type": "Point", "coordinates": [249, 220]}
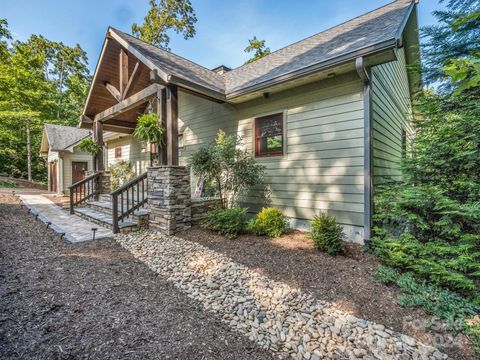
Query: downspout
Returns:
{"type": "Point", "coordinates": [367, 146]}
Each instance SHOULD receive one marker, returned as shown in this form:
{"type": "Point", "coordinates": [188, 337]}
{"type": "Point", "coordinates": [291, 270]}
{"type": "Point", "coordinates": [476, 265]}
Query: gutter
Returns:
{"type": "Point", "coordinates": [367, 149]}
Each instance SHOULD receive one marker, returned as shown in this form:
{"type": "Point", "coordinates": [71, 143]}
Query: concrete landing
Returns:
{"type": "Point", "coordinates": [74, 227]}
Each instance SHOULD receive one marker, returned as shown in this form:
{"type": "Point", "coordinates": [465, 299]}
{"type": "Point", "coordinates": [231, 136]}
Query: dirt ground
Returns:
{"type": "Point", "coordinates": [95, 301]}
{"type": "Point", "coordinates": [345, 280]}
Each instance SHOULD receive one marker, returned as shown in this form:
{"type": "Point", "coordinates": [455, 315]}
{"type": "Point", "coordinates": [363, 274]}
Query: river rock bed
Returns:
{"type": "Point", "coordinates": [286, 321]}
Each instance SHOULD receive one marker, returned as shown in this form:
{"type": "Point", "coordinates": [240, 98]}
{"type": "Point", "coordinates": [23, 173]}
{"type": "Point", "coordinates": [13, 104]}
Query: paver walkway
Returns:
{"type": "Point", "coordinates": [74, 227]}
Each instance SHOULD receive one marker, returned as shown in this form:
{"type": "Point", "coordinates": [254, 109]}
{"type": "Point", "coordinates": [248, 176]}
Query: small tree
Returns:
{"type": "Point", "coordinates": [148, 129]}
{"type": "Point", "coordinates": [229, 168]}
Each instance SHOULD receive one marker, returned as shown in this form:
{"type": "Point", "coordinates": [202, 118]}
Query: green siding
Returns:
{"type": "Point", "coordinates": [132, 151]}
{"type": "Point", "coordinates": [391, 113]}
{"type": "Point", "coordinates": [322, 169]}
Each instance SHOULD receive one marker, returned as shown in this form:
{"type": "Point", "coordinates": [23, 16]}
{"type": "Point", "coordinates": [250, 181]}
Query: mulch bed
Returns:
{"type": "Point", "coordinates": [345, 280]}
{"type": "Point", "coordinates": [95, 301]}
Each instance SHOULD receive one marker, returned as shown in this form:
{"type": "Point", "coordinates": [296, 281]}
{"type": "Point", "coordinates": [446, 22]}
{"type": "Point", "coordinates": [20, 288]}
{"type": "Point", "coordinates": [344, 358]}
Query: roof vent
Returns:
{"type": "Point", "coordinates": [222, 69]}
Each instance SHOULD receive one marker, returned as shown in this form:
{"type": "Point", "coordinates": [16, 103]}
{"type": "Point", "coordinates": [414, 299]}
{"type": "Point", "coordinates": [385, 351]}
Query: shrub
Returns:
{"type": "Point", "coordinates": [231, 170]}
{"type": "Point", "coordinates": [326, 233]}
{"type": "Point", "coordinates": [229, 222]}
{"type": "Point", "coordinates": [269, 221]}
{"type": "Point", "coordinates": [441, 303]}
{"type": "Point", "coordinates": [121, 173]}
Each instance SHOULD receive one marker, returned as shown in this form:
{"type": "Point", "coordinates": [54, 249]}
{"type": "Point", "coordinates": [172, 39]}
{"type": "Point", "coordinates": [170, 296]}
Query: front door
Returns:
{"type": "Point", "coordinates": [78, 170]}
{"type": "Point", "coordinates": [53, 176]}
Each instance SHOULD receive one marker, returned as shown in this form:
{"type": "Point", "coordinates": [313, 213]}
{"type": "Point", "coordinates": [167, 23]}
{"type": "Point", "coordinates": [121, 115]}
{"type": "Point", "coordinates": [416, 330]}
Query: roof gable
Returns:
{"type": "Point", "coordinates": [61, 137]}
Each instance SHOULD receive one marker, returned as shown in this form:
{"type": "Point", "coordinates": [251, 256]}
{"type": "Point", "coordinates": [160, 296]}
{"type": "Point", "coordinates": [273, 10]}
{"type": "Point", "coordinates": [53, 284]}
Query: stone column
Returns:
{"type": "Point", "coordinates": [105, 184]}
{"type": "Point", "coordinates": [169, 198]}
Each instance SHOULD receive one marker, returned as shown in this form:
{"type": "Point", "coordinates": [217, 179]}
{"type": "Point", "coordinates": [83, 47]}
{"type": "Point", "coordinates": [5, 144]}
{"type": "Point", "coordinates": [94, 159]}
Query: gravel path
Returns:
{"type": "Point", "coordinates": [285, 320]}
{"type": "Point", "coordinates": [96, 301]}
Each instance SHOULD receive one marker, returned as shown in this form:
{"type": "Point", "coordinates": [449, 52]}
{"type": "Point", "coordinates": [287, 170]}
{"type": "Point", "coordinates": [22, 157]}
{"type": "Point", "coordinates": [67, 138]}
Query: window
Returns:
{"type": "Point", "coordinates": [118, 152]}
{"type": "Point", "coordinates": [269, 135]}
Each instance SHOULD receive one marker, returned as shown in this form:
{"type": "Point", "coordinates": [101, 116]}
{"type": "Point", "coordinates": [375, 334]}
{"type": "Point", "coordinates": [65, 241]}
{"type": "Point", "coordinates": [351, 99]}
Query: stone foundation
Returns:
{"type": "Point", "coordinates": [200, 207]}
{"type": "Point", "coordinates": [169, 198]}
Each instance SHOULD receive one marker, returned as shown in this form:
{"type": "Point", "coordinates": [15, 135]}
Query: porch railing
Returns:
{"type": "Point", "coordinates": [83, 190]}
{"type": "Point", "coordinates": [127, 199]}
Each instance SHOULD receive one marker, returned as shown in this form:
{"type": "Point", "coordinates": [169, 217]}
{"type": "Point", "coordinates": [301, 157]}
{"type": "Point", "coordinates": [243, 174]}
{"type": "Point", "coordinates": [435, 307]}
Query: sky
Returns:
{"type": "Point", "coordinates": [223, 27]}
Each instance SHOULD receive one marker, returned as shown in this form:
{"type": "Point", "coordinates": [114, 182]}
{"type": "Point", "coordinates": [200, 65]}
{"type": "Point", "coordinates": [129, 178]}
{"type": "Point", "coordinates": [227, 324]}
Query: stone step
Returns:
{"type": "Point", "coordinates": [105, 219]}
{"type": "Point", "coordinates": [106, 207]}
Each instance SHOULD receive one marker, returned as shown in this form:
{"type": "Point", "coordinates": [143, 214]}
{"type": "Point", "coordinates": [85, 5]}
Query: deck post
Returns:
{"type": "Point", "coordinates": [172, 125]}
{"type": "Point", "coordinates": [161, 110]}
{"type": "Point", "coordinates": [98, 136]}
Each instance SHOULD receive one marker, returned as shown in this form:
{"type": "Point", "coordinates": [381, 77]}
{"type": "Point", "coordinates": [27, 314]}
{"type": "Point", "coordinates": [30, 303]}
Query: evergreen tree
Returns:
{"type": "Point", "coordinates": [456, 36]}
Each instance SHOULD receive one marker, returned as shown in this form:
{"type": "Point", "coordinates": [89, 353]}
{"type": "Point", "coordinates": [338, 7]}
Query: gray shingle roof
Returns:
{"type": "Point", "coordinates": [376, 27]}
{"type": "Point", "coordinates": [61, 137]}
{"type": "Point", "coordinates": [176, 65]}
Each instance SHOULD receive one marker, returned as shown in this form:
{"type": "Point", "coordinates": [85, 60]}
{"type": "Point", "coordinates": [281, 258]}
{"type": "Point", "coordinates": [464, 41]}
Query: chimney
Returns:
{"type": "Point", "coordinates": [220, 70]}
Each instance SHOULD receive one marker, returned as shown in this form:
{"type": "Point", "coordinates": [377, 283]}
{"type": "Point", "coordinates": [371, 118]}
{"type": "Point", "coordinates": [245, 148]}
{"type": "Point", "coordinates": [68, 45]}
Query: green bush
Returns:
{"type": "Point", "coordinates": [326, 233]}
{"type": "Point", "coordinates": [441, 303]}
{"type": "Point", "coordinates": [269, 221]}
{"type": "Point", "coordinates": [229, 222]}
{"type": "Point", "coordinates": [90, 146]}
{"type": "Point", "coordinates": [121, 173]}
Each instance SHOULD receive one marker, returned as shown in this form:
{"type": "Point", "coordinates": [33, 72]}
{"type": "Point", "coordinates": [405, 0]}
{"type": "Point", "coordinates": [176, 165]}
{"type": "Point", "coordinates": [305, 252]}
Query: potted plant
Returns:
{"type": "Point", "coordinates": [148, 129]}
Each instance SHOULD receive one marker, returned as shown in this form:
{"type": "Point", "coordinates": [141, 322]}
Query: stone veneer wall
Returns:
{"type": "Point", "coordinates": [169, 198]}
{"type": "Point", "coordinates": [201, 206]}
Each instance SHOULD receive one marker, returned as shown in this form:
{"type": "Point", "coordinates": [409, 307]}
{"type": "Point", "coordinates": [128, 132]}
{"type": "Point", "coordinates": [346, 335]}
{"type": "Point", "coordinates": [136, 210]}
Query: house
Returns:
{"type": "Point", "coordinates": [66, 164]}
{"type": "Point", "coordinates": [329, 116]}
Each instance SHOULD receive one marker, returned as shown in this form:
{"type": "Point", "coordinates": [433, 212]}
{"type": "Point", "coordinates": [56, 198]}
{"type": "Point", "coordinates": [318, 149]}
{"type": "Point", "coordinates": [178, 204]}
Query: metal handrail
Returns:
{"type": "Point", "coordinates": [121, 213]}
{"type": "Point", "coordinates": [90, 186]}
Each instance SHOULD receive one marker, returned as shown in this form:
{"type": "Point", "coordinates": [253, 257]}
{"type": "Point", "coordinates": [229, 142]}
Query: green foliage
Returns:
{"type": "Point", "coordinates": [120, 173]}
{"type": "Point", "coordinates": [230, 169]}
{"type": "Point", "coordinates": [269, 221]}
{"type": "Point", "coordinates": [259, 49]}
{"type": "Point", "coordinates": [229, 222]}
{"type": "Point", "coordinates": [455, 36]}
{"type": "Point", "coordinates": [441, 303]}
{"type": "Point", "coordinates": [164, 15]}
{"type": "Point", "coordinates": [40, 81]}
{"type": "Point", "coordinates": [90, 146]}
{"type": "Point", "coordinates": [326, 233]}
{"type": "Point", "coordinates": [148, 129]}
{"type": "Point", "coordinates": [7, 184]}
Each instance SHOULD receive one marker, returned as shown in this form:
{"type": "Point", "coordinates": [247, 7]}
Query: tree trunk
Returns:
{"type": "Point", "coordinates": [29, 152]}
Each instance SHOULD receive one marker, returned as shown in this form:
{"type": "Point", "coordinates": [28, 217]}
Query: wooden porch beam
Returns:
{"type": "Point", "coordinates": [114, 91]}
{"type": "Point", "coordinates": [120, 123]}
{"type": "Point", "coordinates": [123, 70]}
{"type": "Point", "coordinates": [132, 79]}
{"type": "Point", "coordinates": [116, 129]}
{"type": "Point", "coordinates": [98, 136]}
{"type": "Point", "coordinates": [129, 103]}
{"type": "Point", "coordinates": [161, 110]}
{"type": "Point", "coordinates": [172, 124]}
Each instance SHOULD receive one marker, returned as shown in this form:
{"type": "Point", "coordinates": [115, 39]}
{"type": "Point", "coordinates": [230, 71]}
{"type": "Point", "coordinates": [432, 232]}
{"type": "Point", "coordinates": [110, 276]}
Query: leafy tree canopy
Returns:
{"type": "Point", "coordinates": [164, 15]}
{"type": "Point", "coordinates": [41, 81]}
{"type": "Point", "coordinates": [258, 48]}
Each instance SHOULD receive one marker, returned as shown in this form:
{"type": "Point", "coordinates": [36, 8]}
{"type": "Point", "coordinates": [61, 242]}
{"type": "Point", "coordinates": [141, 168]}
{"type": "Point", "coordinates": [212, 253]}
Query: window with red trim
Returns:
{"type": "Point", "coordinates": [118, 152]}
{"type": "Point", "coordinates": [269, 135]}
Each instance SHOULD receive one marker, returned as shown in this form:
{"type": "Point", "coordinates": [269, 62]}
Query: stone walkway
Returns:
{"type": "Point", "coordinates": [286, 321]}
{"type": "Point", "coordinates": [75, 228]}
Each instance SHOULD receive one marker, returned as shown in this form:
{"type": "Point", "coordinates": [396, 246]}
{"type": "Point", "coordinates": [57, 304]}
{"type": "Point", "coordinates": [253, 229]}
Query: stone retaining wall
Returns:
{"type": "Point", "coordinates": [201, 206]}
